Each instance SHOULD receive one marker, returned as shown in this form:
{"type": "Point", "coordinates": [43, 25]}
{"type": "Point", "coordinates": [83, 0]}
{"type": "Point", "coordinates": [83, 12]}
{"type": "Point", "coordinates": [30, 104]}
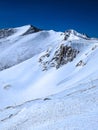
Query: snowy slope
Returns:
{"type": "Point", "coordinates": [33, 98]}
{"type": "Point", "coordinates": [19, 47]}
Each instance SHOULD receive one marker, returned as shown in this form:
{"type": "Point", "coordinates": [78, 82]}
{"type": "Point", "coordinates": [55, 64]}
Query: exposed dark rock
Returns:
{"type": "Point", "coordinates": [68, 33]}
{"type": "Point", "coordinates": [46, 99]}
{"type": "Point", "coordinates": [66, 54]}
{"type": "Point", "coordinates": [86, 35]}
{"type": "Point", "coordinates": [62, 55]}
{"type": "Point", "coordinates": [93, 48]}
{"type": "Point", "coordinates": [80, 63]}
{"type": "Point", "coordinates": [32, 29]}
{"type": "Point", "coordinates": [6, 32]}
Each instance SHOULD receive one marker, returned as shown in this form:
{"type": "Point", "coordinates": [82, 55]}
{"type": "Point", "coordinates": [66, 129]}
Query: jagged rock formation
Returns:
{"type": "Point", "coordinates": [66, 54]}
{"type": "Point", "coordinates": [62, 55]}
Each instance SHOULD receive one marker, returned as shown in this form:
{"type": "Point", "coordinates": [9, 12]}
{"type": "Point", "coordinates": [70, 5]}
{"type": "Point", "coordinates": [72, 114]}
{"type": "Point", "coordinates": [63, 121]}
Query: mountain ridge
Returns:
{"type": "Point", "coordinates": [73, 31]}
{"type": "Point", "coordinates": [30, 34]}
{"type": "Point", "coordinates": [48, 82]}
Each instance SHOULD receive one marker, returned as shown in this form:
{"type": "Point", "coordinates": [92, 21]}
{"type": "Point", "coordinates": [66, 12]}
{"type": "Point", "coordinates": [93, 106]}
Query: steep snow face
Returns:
{"type": "Point", "coordinates": [30, 82]}
{"type": "Point", "coordinates": [64, 98]}
{"type": "Point", "coordinates": [28, 41]}
{"type": "Point", "coordinates": [24, 44]}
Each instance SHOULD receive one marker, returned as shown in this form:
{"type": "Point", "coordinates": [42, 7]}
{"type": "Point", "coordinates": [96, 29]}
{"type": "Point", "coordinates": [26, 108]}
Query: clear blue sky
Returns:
{"type": "Point", "coordinates": [60, 15]}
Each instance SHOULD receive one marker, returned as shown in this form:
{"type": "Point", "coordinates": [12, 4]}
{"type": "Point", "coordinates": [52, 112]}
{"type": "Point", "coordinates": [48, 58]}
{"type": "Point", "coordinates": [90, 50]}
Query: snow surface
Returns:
{"type": "Point", "coordinates": [56, 99]}
{"type": "Point", "coordinates": [17, 48]}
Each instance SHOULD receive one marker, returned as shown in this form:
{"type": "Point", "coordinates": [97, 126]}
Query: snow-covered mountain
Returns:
{"type": "Point", "coordinates": [48, 80]}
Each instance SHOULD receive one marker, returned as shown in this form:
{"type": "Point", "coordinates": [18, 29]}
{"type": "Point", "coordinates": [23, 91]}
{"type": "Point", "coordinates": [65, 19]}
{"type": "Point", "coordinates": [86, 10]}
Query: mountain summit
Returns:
{"type": "Point", "coordinates": [20, 44]}
{"type": "Point", "coordinates": [4, 33]}
{"type": "Point", "coordinates": [70, 34]}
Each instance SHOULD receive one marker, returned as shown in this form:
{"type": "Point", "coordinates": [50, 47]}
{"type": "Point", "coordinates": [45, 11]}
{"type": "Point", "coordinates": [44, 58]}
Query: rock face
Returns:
{"type": "Point", "coordinates": [6, 32]}
{"type": "Point", "coordinates": [62, 55]}
{"type": "Point", "coordinates": [31, 30]}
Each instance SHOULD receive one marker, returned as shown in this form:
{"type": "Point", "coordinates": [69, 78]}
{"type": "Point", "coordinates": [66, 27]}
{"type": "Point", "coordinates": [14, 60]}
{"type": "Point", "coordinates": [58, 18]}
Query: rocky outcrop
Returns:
{"type": "Point", "coordinates": [6, 32]}
{"type": "Point", "coordinates": [80, 63]}
{"type": "Point", "coordinates": [62, 55]}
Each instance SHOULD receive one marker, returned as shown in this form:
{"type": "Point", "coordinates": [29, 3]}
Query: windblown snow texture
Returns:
{"type": "Point", "coordinates": [48, 80]}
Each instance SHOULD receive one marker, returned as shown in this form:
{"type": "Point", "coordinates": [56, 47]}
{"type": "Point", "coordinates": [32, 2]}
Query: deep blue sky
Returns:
{"type": "Point", "coordinates": [60, 15]}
